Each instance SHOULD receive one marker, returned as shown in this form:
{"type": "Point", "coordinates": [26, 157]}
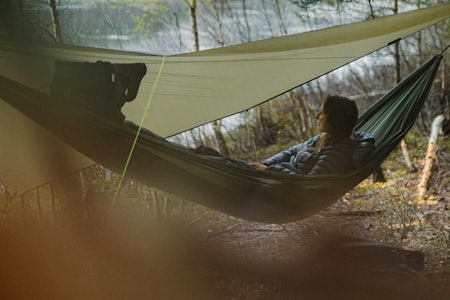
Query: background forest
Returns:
{"type": "Point", "coordinates": [384, 211]}
{"type": "Point", "coordinates": [172, 27]}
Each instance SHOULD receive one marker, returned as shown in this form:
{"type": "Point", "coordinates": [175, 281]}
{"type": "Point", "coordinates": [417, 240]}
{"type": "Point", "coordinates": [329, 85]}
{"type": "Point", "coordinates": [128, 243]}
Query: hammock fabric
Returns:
{"type": "Point", "coordinates": [249, 194]}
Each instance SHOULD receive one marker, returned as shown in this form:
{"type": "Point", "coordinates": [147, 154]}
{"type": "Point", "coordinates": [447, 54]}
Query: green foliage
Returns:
{"type": "Point", "coordinates": [149, 16]}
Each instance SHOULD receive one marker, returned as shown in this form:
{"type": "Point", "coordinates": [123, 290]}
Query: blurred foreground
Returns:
{"type": "Point", "coordinates": [125, 259]}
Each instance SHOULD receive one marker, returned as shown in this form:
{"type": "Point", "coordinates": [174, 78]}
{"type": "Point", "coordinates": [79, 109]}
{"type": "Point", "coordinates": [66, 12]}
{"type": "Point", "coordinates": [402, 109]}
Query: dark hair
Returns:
{"type": "Point", "coordinates": [341, 115]}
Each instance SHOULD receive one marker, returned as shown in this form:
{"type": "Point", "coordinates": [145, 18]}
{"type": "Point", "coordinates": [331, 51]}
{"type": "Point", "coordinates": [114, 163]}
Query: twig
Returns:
{"type": "Point", "coordinates": [231, 228]}
{"type": "Point", "coordinates": [290, 234]}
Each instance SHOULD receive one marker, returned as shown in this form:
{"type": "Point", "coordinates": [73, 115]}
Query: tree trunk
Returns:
{"type": "Point", "coordinates": [404, 146]}
{"type": "Point", "coordinates": [378, 175]}
{"type": "Point", "coordinates": [429, 158]}
{"type": "Point", "coordinates": [223, 149]}
{"type": "Point", "coordinates": [247, 24]}
{"type": "Point", "coordinates": [56, 23]}
{"type": "Point", "coordinates": [277, 8]}
{"type": "Point", "coordinates": [193, 13]}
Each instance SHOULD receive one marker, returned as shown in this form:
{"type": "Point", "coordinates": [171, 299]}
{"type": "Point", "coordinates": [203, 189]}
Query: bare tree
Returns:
{"type": "Point", "coordinates": [279, 14]}
{"type": "Point", "coordinates": [247, 23]}
{"type": "Point", "coordinates": [223, 148]}
{"type": "Point", "coordinates": [192, 4]}
{"type": "Point", "coordinates": [56, 22]}
{"type": "Point", "coordinates": [213, 23]}
{"type": "Point", "coordinates": [403, 144]}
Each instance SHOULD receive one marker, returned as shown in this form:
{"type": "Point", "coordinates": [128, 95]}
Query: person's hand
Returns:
{"type": "Point", "coordinates": [258, 166]}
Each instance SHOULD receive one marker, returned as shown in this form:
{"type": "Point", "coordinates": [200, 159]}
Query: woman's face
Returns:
{"type": "Point", "coordinates": [322, 120]}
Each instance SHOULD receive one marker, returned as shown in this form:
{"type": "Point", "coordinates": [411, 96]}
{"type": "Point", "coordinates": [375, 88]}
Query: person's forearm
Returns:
{"type": "Point", "coordinates": [259, 166]}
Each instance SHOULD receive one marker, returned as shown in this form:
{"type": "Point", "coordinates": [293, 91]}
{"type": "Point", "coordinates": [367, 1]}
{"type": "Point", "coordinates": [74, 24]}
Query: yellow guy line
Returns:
{"type": "Point", "coordinates": [144, 116]}
{"type": "Point", "coordinates": [252, 136]}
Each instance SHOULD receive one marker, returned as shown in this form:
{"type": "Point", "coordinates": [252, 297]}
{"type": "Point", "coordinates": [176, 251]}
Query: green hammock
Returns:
{"type": "Point", "coordinates": [242, 192]}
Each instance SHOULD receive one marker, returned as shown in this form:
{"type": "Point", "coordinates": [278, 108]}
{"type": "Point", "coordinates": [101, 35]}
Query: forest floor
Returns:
{"type": "Point", "coordinates": [293, 261]}
{"type": "Point", "coordinates": [376, 216]}
{"type": "Point", "coordinates": [198, 253]}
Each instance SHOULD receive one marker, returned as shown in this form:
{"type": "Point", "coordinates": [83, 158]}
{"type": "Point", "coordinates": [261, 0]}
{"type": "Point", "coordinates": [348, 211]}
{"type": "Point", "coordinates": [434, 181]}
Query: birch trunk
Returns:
{"type": "Point", "coordinates": [409, 164]}
{"type": "Point", "coordinates": [429, 159]}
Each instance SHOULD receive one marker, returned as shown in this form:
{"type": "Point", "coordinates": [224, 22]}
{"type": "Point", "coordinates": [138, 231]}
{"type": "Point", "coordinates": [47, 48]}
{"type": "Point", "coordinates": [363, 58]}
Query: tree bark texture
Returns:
{"type": "Point", "coordinates": [56, 22]}
{"type": "Point", "coordinates": [429, 158]}
{"type": "Point", "coordinates": [404, 146]}
{"type": "Point", "coordinates": [193, 13]}
{"type": "Point", "coordinates": [220, 138]}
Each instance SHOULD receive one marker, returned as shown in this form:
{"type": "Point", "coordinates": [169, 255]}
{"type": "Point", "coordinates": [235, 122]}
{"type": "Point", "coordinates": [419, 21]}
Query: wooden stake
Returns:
{"type": "Point", "coordinates": [37, 197]}
{"type": "Point", "coordinates": [52, 198]}
{"type": "Point", "coordinates": [22, 203]}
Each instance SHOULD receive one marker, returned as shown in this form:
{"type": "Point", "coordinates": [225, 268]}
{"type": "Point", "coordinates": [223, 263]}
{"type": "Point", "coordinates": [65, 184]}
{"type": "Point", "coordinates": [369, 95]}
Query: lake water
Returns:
{"type": "Point", "coordinates": [261, 19]}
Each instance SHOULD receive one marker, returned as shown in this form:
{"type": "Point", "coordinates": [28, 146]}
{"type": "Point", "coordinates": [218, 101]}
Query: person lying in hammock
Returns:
{"type": "Point", "coordinates": [338, 150]}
